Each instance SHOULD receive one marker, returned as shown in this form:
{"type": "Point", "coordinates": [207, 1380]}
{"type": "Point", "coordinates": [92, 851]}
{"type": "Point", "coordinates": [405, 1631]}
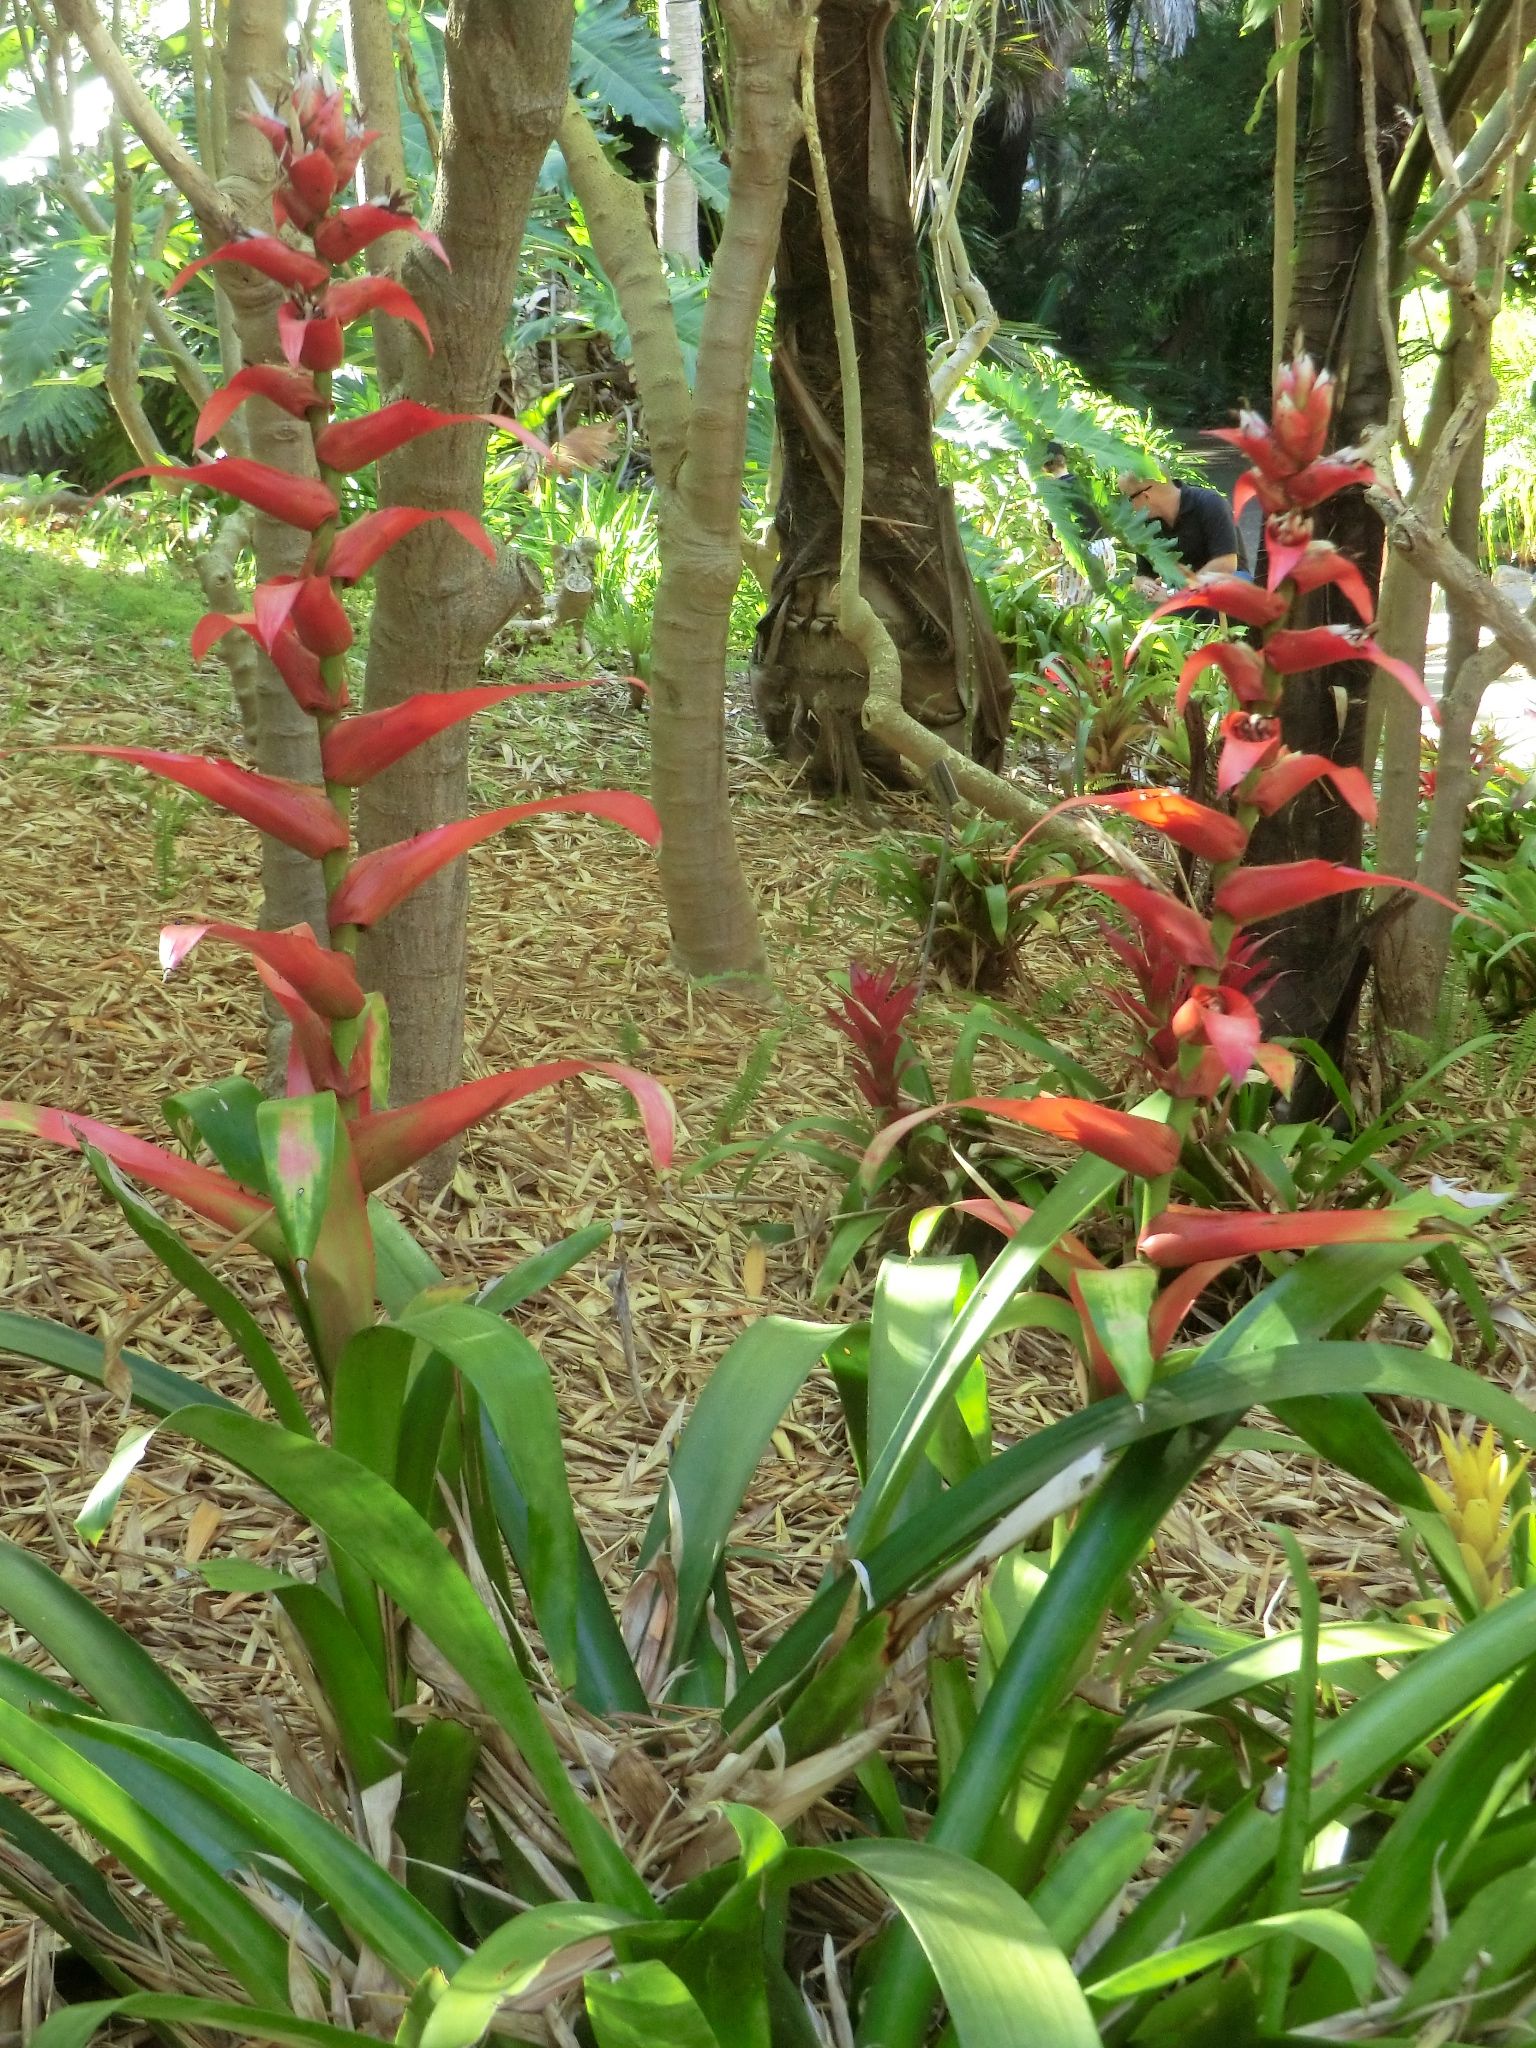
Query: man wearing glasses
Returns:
{"type": "Point", "coordinates": [1198, 521]}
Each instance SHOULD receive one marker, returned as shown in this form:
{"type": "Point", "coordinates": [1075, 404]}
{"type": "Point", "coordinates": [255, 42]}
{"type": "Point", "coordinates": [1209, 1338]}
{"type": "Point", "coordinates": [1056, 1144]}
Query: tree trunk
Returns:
{"type": "Point", "coordinates": [677, 200]}
{"type": "Point", "coordinates": [1317, 956]}
{"type": "Point", "coordinates": [437, 603]}
{"type": "Point", "coordinates": [809, 683]}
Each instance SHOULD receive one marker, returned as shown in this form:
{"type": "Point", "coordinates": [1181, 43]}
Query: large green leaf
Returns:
{"type": "Point", "coordinates": [518, 1397]}
{"type": "Point", "coordinates": [1274, 1660]}
{"type": "Point", "coordinates": [72, 2026]}
{"type": "Point", "coordinates": [179, 1260]}
{"type": "Point", "coordinates": [543, 1269]}
{"type": "Point", "coordinates": [299, 1136]}
{"type": "Point", "coordinates": [1331, 1932]}
{"type": "Point", "coordinates": [915, 1303]}
{"type": "Point", "coordinates": [380, 1912]}
{"type": "Point", "coordinates": [733, 1420]}
{"type": "Point", "coordinates": [616, 57]}
{"type": "Point", "coordinates": [1084, 1881]}
{"type": "Point", "coordinates": [507, 1962]}
{"type": "Point", "coordinates": [215, 1911]}
{"type": "Point", "coordinates": [222, 1115]}
{"type": "Point", "coordinates": [642, 2004]}
{"type": "Point", "coordinates": [364, 1516]}
{"type": "Point", "coordinates": [66, 1866]}
{"type": "Point", "coordinates": [154, 1387]}
{"type": "Point", "coordinates": [120, 1676]}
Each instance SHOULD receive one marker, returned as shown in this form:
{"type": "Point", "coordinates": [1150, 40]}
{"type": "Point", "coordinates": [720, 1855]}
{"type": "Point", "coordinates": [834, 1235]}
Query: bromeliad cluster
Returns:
{"type": "Point", "coordinates": [297, 1171]}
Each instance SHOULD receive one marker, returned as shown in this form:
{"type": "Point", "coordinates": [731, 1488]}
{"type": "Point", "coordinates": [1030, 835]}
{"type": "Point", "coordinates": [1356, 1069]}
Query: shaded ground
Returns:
{"type": "Point", "coordinates": [568, 956]}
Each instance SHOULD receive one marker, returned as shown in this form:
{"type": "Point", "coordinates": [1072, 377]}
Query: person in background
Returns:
{"type": "Point", "coordinates": [1198, 521]}
{"type": "Point", "coordinates": [1071, 586]}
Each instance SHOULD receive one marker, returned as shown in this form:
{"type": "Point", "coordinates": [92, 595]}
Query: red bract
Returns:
{"type": "Point", "coordinates": [1293, 652]}
{"type": "Point", "coordinates": [355, 296]}
{"type": "Point", "coordinates": [1181, 931]}
{"type": "Point", "coordinates": [325, 979]}
{"type": "Point", "coordinates": [360, 748]}
{"type": "Point", "coordinates": [299, 669]}
{"type": "Point", "coordinates": [1321, 563]}
{"type": "Point", "coordinates": [210, 1194]}
{"type": "Point", "coordinates": [310, 341]}
{"type": "Point", "coordinates": [301, 817]}
{"type": "Point", "coordinates": [312, 1063]}
{"type": "Point", "coordinates": [1185, 1237]}
{"type": "Point", "coordinates": [1248, 741]}
{"type": "Point", "coordinates": [1133, 1143]}
{"type": "Point", "coordinates": [1303, 406]}
{"type": "Point", "coordinates": [355, 228]}
{"type": "Point", "coordinates": [320, 618]}
{"type": "Point", "coordinates": [1325, 479]}
{"type": "Point", "coordinates": [293, 390]}
{"type": "Point", "coordinates": [1255, 893]}
{"type": "Point", "coordinates": [378, 881]}
{"type": "Point", "coordinates": [1253, 437]}
{"type": "Point", "coordinates": [1233, 595]}
{"type": "Point", "coordinates": [358, 546]}
{"type": "Point", "coordinates": [1226, 1021]}
{"type": "Point", "coordinates": [1292, 772]}
{"type": "Point", "coordinates": [1242, 666]}
{"type": "Point", "coordinates": [302, 200]}
{"type": "Point", "coordinates": [388, 1143]}
{"type": "Point", "coordinates": [272, 258]}
{"type": "Point", "coordinates": [353, 444]}
{"type": "Point", "coordinates": [1213, 835]}
{"type": "Point", "coordinates": [871, 1018]}
{"type": "Point", "coordinates": [301, 501]}
{"type": "Point", "coordinates": [1177, 1299]}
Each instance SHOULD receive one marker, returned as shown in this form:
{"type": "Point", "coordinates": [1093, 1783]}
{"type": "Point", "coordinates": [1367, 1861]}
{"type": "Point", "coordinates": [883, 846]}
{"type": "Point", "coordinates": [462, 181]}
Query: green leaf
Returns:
{"type": "Point", "coordinates": [518, 1395]}
{"type": "Point", "coordinates": [368, 1397]}
{"type": "Point", "coordinates": [733, 1420]}
{"type": "Point", "coordinates": [183, 1264]}
{"type": "Point", "coordinates": [643, 2004]}
{"type": "Point", "coordinates": [1090, 1874]}
{"type": "Point", "coordinates": [72, 2026]}
{"type": "Point", "coordinates": [508, 1961]}
{"type": "Point", "coordinates": [616, 56]}
{"type": "Point", "coordinates": [123, 1679]}
{"type": "Point", "coordinates": [1274, 1660]}
{"type": "Point", "coordinates": [155, 1387]}
{"type": "Point", "coordinates": [915, 1303]}
{"type": "Point", "coordinates": [95, 1517]}
{"type": "Point", "coordinates": [1119, 1301]}
{"type": "Point", "coordinates": [403, 1268]}
{"type": "Point", "coordinates": [222, 1115]}
{"type": "Point", "coordinates": [364, 1516]}
{"type": "Point", "coordinates": [543, 1269]}
{"type": "Point", "coordinates": [434, 1812]}
{"type": "Point", "coordinates": [852, 1233]}
{"type": "Point", "coordinates": [375, 1908]}
{"type": "Point", "coordinates": [298, 1135]}
{"type": "Point", "coordinates": [66, 1866]}
{"type": "Point", "coordinates": [1489, 1943]}
{"type": "Point", "coordinates": [214, 1911]}
{"type": "Point", "coordinates": [1331, 1932]}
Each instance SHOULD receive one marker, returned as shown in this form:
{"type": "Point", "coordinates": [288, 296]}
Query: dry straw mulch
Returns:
{"type": "Point", "coordinates": [568, 956]}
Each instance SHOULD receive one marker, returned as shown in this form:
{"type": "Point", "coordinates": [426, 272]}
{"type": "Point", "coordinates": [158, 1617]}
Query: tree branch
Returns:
{"type": "Point", "coordinates": [1432, 555]}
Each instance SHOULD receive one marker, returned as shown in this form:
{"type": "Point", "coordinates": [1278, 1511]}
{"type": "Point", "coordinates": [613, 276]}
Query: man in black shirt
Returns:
{"type": "Point", "coordinates": [1197, 520]}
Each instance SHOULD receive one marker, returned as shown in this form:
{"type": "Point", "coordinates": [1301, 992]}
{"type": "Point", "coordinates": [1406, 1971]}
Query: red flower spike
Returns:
{"type": "Point", "coordinates": [349, 300]}
{"type": "Point", "coordinates": [1185, 1237]}
{"type": "Point", "coordinates": [359, 749]}
{"type": "Point", "coordinates": [1320, 564]}
{"type": "Point", "coordinates": [1228, 1023]}
{"type": "Point", "coordinates": [292, 390]}
{"type": "Point", "coordinates": [320, 618]}
{"type": "Point", "coordinates": [1255, 893]}
{"type": "Point", "coordinates": [301, 501]}
{"type": "Point", "coordinates": [293, 812]}
{"type": "Point", "coordinates": [1252, 437]}
{"type": "Point", "coordinates": [1303, 407]}
{"type": "Point", "coordinates": [1233, 595]}
{"type": "Point", "coordinates": [1292, 652]}
{"type": "Point", "coordinates": [268, 256]}
{"type": "Point", "coordinates": [200, 1188]}
{"type": "Point", "coordinates": [1182, 932]}
{"type": "Point", "coordinates": [378, 881]}
{"type": "Point", "coordinates": [1293, 772]}
{"type": "Point", "coordinates": [326, 980]}
{"type": "Point", "coordinates": [1242, 666]}
{"type": "Point", "coordinates": [388, 1143]}
{"type": "Point", "coordinates": [358, 546]}
{"type": "Point", "coordinates": [298, 668]}
{"type": "Point", "coordinates": [309, 190]}
{"type": "Point", "coordinates": [352, 444]}
{"type": "Point", "coordinates": [1325, 479]}
{"type": "Point", "coordinates": [355, 228]}
{"type": "Point", "coordinates": [1248, 741]}
{"type": "Point", "coordinates": [871, 1018]}
{"type": "Point", "coordinates": [1177, 1299]}
{"type": "Point", "coordinates": [1133, 1143]}
{"type": "Point", "coordinates": [1213, 835]}
{"type": "Point", "coordinates": [310, 343]}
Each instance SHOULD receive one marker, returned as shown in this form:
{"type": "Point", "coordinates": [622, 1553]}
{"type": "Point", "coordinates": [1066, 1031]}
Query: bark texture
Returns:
{"type": "Point", "coordinates": [437, 602]}
{"type": "Point", "coordinates": [809, 681]}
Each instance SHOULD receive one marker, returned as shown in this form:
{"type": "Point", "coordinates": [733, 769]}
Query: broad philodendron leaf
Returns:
{"type": "Point", "coordinates": [616, 57]}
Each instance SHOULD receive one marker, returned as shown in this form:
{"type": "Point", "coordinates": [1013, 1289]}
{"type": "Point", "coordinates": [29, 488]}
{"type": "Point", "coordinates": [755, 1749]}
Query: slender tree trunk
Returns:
{"type": "Point", "coordinates": [1287, 97]}
{"type": "Point", "coordinates": [437, 603]}
{"type": "Point", "coordinates": [677, 200]}
{"type": "Point", "coordinates": [808, 680]}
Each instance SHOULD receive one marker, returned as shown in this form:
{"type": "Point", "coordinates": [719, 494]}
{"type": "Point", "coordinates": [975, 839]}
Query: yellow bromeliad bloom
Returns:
{"type": "Point", "coordinates": [1481, 1481]}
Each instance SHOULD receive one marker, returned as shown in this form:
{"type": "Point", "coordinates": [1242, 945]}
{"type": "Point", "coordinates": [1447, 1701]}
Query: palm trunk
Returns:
{"type": "Point", "coordinates": [809, 682]}
{"type": "Point", "coordinates": [437, 603]}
